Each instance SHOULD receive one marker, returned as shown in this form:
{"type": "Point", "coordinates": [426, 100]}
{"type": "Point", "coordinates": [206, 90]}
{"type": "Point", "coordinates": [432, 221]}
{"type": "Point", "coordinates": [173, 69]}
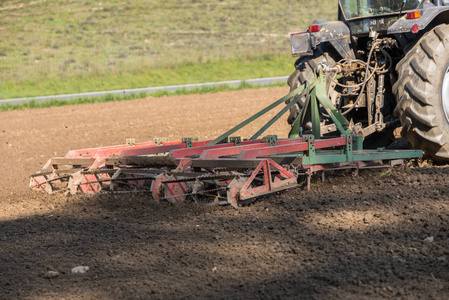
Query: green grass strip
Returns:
{"type": "Point", "coordinates": [233, 69]}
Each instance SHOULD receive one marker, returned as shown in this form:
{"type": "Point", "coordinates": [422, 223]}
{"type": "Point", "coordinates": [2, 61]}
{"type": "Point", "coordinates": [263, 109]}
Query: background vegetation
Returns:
{"type": "Point", "coordinates": [68, 46]}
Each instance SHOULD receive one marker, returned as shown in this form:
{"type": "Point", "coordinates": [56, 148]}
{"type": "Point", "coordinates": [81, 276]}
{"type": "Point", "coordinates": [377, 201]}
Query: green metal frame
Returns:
{"type": "Point", "coordinates": [316, 99]}
{"type": "Point", "coordinates": [318, 95]}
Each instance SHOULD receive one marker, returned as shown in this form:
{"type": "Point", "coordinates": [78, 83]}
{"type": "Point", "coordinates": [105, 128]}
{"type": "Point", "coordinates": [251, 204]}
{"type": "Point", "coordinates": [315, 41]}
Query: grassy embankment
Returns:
{"type": "Point", "coordinates": [52, 47]}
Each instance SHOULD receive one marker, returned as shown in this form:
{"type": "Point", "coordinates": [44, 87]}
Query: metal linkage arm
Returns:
{"type": "Point", "coordinates": [336, 116]}
{"type": "Point", "coordinates": [318, 95]}
{"type": "Point", "coordinates": [280, 114]}
{"type": "Point", "coordinates": [256, 116]}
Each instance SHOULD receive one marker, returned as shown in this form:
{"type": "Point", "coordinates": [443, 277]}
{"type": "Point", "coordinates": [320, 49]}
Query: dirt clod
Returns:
{"type": "Point", "coordinates": [80, 270]}
{"type": "Point", "coordinates": [51, 274]}
{"type": "Point", "coordinates": [429, 239]}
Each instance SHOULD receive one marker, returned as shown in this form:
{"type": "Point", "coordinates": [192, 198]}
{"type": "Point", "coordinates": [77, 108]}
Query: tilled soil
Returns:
{"type": "Point", "coordinates": [381, 234]}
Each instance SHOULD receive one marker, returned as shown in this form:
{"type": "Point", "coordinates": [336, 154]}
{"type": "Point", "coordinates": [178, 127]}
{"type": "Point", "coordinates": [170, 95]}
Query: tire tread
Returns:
{"type": "Point", "coordinates": [415, 94]}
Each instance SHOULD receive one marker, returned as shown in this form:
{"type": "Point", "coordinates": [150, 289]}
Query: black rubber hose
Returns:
{"type": "Point", "coordinates": [364, 81]}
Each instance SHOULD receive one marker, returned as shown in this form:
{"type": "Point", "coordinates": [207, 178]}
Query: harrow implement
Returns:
{"type": "Point", "coordinates": [227, 170]}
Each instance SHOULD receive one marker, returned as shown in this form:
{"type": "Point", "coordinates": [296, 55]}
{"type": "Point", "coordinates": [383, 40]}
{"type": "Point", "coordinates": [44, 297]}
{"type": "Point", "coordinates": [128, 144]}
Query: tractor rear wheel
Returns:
{"type": "Point", "coordinates": [422, 94]}
{"type": "Point", "coordinates": [306, 67]}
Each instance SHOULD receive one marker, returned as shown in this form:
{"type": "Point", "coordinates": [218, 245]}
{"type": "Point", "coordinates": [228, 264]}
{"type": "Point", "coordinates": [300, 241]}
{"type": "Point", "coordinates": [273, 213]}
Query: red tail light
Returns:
{"type": "Point", "coordinates": [413, 15]}
{"type": "Point", "coordinates": [314, 28]}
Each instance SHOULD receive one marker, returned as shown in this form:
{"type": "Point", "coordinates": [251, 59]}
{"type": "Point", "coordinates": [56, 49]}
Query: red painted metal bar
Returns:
{"type": "Point", "coordinates": [117, 151]}
{"type": "Point", "coordinates": [216, 153]}
{"type": "Point", "coordinates": [108, 152]}
{"type": "Point", "coordinates": [268, 186]}
{"type": "Point", "coordinates": [93, 151]}
{"type": "Point", "coordinates": [281, 170]}
{"type": "Point", "coordinates": [159, 149]}
{"type": "Point", "coordinates": [181, 153]}
{"type": "Point", "coordinates": [254, 174]}
{"type": "Point", "coordinates": [98, 152]}
{"type": "Point", "coordinates": [281, 149]}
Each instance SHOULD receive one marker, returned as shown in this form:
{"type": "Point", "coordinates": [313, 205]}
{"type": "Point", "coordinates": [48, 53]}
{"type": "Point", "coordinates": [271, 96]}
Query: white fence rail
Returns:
{"type": "Point", "coordinates": [172, 88]}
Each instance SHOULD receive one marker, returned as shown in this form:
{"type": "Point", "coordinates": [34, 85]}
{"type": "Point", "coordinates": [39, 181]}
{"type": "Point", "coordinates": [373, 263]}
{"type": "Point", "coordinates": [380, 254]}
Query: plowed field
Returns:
{"type": "Point", "coordinates": [382, 234]}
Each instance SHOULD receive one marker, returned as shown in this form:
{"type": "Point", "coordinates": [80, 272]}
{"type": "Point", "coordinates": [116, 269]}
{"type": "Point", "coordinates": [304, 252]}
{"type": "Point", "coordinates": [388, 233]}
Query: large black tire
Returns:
{"type": "Point", "coordinates": [419, 94]}
{"type": "Point", "coordinates": [305, 71]}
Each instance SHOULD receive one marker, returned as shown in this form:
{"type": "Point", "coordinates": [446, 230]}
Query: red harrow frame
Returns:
{"type": "Point", "coordinates": [227, 170]}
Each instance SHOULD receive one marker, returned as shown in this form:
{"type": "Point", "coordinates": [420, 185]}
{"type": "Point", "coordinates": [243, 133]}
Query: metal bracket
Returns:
{"type": "Point", "coordinates": [189, 141]}
{"type": "Point", "coordinates": [237, 140]}
{"type": "Point", "coordinates": [131, 142]}
{"type": "Point", "coordinates": [310, 139]}
{"type": "Point", "coordinates": [160, 141]}
{"type": "Point", "coordinates": [270, 139]}
{"type": "Point", "coordinates": [357, 144]}
{"type": "Point", "coordinates": [349, 148]}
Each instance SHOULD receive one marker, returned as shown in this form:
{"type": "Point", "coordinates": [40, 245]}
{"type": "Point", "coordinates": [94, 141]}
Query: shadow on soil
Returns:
{"type": "Point", "coordinates": [361, 237]}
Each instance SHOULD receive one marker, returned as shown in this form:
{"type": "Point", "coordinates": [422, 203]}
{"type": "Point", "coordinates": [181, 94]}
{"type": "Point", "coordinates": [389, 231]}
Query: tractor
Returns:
{"type": "Point", "coordinates": [383, 65]}
{"type": "Point", "coordinates": [386, 65]}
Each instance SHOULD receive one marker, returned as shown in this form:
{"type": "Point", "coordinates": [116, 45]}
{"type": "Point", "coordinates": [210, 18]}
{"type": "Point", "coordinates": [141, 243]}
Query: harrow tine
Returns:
{"type": "Point", "coordinates": [52, 180]}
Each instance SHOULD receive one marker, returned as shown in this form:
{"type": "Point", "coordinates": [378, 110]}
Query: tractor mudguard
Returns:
{"type": "Point", "coordinates": [336, 33]}
{"type": "Point", "coordinates": [427, 16]}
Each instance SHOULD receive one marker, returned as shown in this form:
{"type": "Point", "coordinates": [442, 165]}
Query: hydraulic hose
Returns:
{"type": "Point", "coordinates": [365, 80]}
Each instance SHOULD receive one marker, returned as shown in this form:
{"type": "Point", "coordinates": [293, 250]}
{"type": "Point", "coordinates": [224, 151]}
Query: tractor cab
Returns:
{"type": "Point", "coordinates": [370, 8]}
{"type": "Point", "coordinates": [402, 19]}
